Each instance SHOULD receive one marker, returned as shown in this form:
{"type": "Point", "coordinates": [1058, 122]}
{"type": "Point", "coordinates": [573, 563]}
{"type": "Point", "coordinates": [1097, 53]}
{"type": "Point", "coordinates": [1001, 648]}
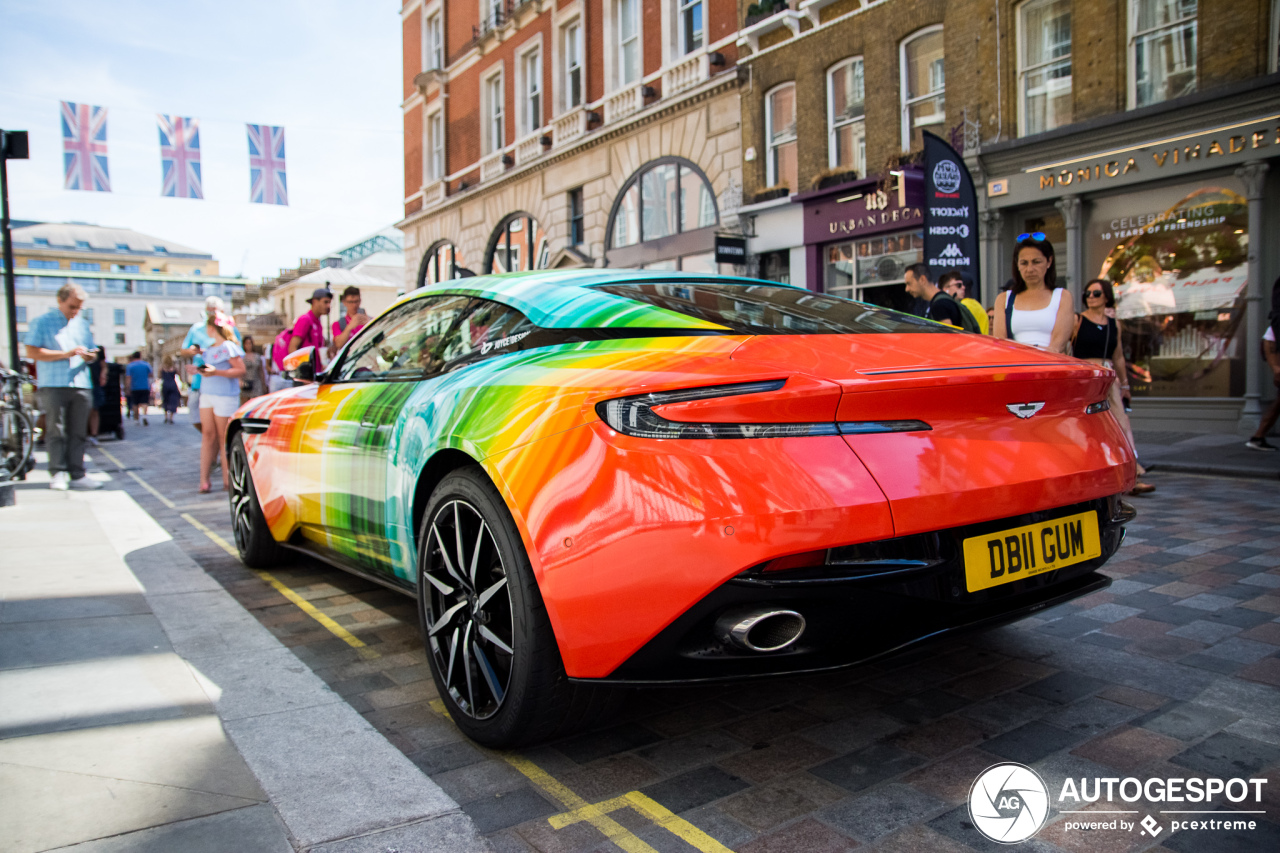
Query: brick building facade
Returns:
{"type": "Point", "coordinates": [567, 133]}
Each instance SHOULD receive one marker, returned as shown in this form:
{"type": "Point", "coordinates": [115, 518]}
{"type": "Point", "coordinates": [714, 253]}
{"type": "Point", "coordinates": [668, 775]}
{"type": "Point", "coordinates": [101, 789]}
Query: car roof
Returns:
{"type": "Point", "coordinates": [572, 299]}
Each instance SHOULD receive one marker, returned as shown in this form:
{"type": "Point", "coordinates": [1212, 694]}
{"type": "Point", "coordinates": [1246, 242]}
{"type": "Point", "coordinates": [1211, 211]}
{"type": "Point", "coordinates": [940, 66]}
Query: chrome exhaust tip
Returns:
{"type": "Point", "coordinates": [763, 630]}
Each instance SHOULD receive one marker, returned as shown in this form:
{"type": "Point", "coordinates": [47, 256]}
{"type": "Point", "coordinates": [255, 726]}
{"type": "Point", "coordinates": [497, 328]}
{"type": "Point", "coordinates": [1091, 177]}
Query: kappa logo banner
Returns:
{"type": "Point", "coordinates": [950, 211]}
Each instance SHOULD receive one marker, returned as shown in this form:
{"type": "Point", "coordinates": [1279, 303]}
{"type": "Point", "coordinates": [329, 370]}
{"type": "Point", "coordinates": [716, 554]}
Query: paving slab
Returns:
{"type": "Point", "coordinates": [252, 829]}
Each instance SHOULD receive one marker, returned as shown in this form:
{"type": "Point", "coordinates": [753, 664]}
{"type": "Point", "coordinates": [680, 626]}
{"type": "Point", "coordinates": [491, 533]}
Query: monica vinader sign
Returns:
{"type": "Point", "coordinates": [1227, 145]}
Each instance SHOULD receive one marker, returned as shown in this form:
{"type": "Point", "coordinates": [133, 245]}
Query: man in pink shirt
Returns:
{"type": "Point", "coordinates": [352, 320]}
{"type": "Point", "coordinates": [309, 330]}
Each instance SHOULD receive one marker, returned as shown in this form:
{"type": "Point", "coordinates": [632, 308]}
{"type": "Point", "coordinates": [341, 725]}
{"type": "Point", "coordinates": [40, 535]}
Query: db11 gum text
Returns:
{"type": "Point", "coordinates": [1009, 555]}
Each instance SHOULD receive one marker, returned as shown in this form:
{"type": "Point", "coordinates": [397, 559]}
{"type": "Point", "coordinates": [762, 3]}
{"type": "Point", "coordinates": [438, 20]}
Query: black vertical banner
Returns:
{"type": "Point", "coordinates": [950, 212]}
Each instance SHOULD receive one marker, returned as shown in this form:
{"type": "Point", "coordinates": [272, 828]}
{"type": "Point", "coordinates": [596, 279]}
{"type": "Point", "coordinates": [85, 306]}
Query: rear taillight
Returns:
{"type": "Point", "coordinates": [635, 416]}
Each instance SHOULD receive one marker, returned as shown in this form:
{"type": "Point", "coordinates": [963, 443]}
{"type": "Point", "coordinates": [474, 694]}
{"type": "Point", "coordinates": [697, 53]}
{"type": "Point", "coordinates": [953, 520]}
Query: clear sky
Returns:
{"type": "Point", "coordinates": [328, 71]}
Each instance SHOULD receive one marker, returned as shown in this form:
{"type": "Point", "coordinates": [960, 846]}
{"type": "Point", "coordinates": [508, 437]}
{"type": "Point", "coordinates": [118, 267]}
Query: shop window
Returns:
{"type": "Point", "coordinates": [872, 270]}
{"type": "Point", "coordinates": [1178, 259]}
{"type": "Point", "coordinates": [442, 262]}
{"type": "Point", "coordinates": [924, 84]}
{"type": "Point", "coordinates": [776, 266]}
{"type": "Point", "coordinates": [1162, 50]}
{"type": "Point", "coordinates": [576, 216]}
{"type": "Point", "coordinates": [690, 22]}
{"type": "Point", "coordinates": [780, 136]}
{"type": "Point", "coordinates": [518, 244]}
{"type": "Point", "coordinates": [846, 92]}
{"type": "Point", "coordinates": [1044, 64]}
{"type": "Point", "coordinates": [666, 198]}
{"type": "Point", "coordinates": [627, 58]}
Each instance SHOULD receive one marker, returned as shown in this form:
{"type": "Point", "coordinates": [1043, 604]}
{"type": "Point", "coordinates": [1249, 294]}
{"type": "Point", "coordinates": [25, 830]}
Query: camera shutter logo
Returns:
{"type": "Point", "coordinates": [1008, 803]}
{"type": "Point", "coordinates": [946, 176]}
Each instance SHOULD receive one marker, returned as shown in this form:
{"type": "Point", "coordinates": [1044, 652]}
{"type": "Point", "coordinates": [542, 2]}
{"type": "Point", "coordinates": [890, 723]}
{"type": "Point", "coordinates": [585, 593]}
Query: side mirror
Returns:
{"type": "Point", "coordinates": [302, 365]}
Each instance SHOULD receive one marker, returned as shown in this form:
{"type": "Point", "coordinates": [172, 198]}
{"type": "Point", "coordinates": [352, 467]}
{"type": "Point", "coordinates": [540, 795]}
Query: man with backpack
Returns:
{"type": "Point", "coordinates": [939, 306]}
{"type": "Point", "coordinates": [958, 286]}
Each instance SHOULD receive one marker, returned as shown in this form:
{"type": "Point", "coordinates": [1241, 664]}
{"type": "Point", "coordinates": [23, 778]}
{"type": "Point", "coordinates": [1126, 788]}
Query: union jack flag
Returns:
{"type": "Point", "coordinates": [180, 156]}
{"type": "Point", "coordinates": [84, 148]}
{"type": "Point", "coordinates": [266, 165]}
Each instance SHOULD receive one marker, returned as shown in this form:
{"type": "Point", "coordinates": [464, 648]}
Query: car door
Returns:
{"type": "Point", "coordinates": [349, 435]}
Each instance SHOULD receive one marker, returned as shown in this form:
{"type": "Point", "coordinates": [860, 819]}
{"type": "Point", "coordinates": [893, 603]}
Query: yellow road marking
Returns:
{"type": "Point", "coordinates": [560, 821]}
{"type": "Point", "coordinates": [675, 824]}
{"type": "Point", "coordinates": [614, 831]}
{"type": "Point", "coordinates": [305, 606]}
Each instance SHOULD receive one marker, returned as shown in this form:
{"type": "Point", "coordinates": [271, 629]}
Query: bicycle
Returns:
{"type": "Point", "coordinates": [17, 435]}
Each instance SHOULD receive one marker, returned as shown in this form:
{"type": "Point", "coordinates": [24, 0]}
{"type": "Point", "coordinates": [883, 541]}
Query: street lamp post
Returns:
{"type": "Point", "coordinates": [13, 146]}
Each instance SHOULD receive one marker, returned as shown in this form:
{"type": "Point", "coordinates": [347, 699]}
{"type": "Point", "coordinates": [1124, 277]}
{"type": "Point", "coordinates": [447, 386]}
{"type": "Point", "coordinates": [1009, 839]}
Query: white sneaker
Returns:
{"type": "Point", "coordinates": [86, 484]}
{"type": "Point", "coordinates": [61, 481]}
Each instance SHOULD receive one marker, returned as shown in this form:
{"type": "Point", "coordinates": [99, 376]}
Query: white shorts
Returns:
{"type": "Point", "coordinates": [223, 407]}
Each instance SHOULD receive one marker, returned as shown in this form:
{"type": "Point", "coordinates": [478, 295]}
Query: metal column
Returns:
{"type": "Point", "coordinates": [1254, 176]}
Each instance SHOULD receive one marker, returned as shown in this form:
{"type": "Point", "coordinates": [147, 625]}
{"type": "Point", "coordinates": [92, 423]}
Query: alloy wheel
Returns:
{"type": "Point", "coordinates": [241, 499]}
{"type": "Point", "coordinates": [467, 604]}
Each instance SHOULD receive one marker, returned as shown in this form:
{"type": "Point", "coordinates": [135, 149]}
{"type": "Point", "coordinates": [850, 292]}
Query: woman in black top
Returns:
{"type": "Point", "coordinates": [1097, 339]}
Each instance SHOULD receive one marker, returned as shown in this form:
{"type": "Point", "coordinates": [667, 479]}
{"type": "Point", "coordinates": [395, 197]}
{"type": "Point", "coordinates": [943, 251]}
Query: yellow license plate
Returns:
{"type": "Point", "coordinates": [1010, 555]}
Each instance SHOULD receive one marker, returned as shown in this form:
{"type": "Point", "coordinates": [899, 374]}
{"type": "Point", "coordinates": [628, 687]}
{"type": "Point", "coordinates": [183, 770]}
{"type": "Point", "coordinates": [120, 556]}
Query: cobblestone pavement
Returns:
{"type": "Point", "coordinates": [1172, 672]}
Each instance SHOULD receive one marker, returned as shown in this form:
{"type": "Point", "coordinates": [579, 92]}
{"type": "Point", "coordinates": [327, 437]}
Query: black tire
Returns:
{"type": "Point", "coordinates": [18, 441]}
{"type": "Point", "coordinates": [258, 549]}
{"type": "Point", "coordinates": [493, 654]}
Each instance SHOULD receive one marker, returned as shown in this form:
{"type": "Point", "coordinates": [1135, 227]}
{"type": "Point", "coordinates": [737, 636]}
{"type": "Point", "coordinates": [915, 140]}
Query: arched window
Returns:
{"type": "Point", "coordinates": [441, 262]}
{"type": "Point", "coordinates": [519, 243]}
{"type": "Point", "coordinates": [664, 217]}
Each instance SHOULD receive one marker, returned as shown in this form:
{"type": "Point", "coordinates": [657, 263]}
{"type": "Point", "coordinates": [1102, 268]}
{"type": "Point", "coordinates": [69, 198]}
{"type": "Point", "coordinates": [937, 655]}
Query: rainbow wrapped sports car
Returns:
{"type": "Point", "coordinates": [617, 477]}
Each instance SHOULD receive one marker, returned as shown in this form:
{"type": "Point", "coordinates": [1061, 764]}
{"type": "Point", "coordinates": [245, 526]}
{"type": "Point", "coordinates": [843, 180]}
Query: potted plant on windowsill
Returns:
{"type": "Point", "coordinates": [833, 178]}
{"type": "Point", "coordinates": [771, 193]}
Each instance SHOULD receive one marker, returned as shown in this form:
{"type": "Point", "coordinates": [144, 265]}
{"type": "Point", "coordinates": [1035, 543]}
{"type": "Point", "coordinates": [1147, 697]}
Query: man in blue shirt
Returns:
{"type": "Point", "coordinates": [138, 374]}
{"type": "Point", "coordinates": [61, 344]}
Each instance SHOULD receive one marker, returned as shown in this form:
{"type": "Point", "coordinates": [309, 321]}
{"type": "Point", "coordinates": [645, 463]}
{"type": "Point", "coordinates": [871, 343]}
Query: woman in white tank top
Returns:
{"type": "Point", "coordinates": [1040, 316]}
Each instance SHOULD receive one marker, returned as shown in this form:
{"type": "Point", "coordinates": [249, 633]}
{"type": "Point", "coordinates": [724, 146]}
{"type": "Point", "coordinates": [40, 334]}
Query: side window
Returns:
{"type": "Point", "coordinates": [406, 343]}
{"type": "Point", "coordinates": [488, 329]}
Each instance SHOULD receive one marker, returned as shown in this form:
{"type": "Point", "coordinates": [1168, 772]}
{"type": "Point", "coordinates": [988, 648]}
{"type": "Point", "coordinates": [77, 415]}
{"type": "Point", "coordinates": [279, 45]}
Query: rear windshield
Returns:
{"type": "Point", "coordinates": [764, 309]}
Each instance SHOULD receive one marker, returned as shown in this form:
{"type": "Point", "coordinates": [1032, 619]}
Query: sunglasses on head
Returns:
{"type": "Point", "coordinates": [1032, 235]}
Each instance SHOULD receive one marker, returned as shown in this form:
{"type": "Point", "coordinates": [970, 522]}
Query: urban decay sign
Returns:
{"type": "Point", "coordinates": [950, 211]}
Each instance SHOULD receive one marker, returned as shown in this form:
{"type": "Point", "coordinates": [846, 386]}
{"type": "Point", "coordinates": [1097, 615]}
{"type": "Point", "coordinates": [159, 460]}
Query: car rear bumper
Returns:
{"type": "Point", "coordinates": [851, 620]}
